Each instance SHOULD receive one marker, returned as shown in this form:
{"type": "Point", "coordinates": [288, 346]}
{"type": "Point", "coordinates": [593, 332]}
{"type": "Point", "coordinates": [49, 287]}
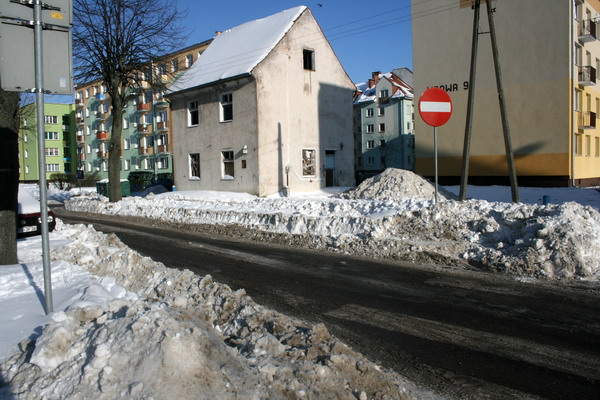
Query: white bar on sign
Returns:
{"type": "Point", "coordinates": [435, 106]}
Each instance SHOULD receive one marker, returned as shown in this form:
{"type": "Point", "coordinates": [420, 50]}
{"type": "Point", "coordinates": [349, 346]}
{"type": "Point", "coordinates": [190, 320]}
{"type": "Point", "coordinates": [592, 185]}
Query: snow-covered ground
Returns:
{"type": "Point", "coordinates": [125, 326]}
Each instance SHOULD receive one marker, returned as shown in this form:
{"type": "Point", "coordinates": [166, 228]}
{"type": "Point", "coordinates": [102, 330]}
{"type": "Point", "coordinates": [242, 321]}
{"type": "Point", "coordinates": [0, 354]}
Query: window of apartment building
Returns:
{"type": "Point", "coordinates": [25, 138]}
{"type": "Point", "coordinates": [308, 58]}
{"type": "Point", "coordinates": [149, 163]}
{"type": "Point", "coordinates": [384, 93]}
{"type": "Point", "coordinates": [369, 112]}
{"type": "Point", "coordinates": [126, 144]}
{"type": "Point", "coordinates": [193, 113]}
{"type": "Point", "coordinates": [382, 127]}
{"type": "Point", "coordinates": [578, 55]}
{"type": "Point", "coordinates": [52, 168]}
{"type": "Point", "coordinates": [370, 128]}
{"type": "Point", "coordinates": [189, 60]}
{"type": "Point", "coordinates": [126, 165]}
{"type": "Point", "coordinates": [50, 119]}
{"type": "Point", "coordinates": [105, 166]}
{"type": "Point", "coordinates": [27, 169]}
{"type": "Point", "coordinates": [174, 65]}
{"type": "Point", "coordinates": [588, 145]}
{"type": "Point", "coordinates": [579, 144]}
{"type": "Point", "coordinates": [382, 143]}
{"type": "Point", "coordinates": [89, 167]}
{"type": "Point", "coordinates": [380, 110]}
{"type": "Point", "coordinates": [51, 135]}
{"type": "Point", "coordinates": [194, 159]}
{"type": "Point", "coordinates": [370, 161]}
{"type": "Point", "coordinates": [163, 162]}
{"type": "Point", "coordinates": [309, 162]}
{"type": "Point", "coordinates": [95, 90]}
{"type": "Point", "coordinates": [52, 151]}
{"type": "Point", "coordinates": [125, 123]}
{"type": "Point", "coordinates": [26, 153]}
{"type": "Point", "coordinates": [597, 147]}
{"type": "Point", "coordinates": [87, 93]}
{"type": "Point", "coordinates": [161, 69]}
{"type": "Point", "coordinates": [577, 100]}
{"type": "Point", "coordinates": [227, 107]}
{"type": "Point", "coordinates": [88, 149]}
{"type": "Point", "coordinates": [370, 144]}
{"type": "Point", "coordinates": [227, 164]}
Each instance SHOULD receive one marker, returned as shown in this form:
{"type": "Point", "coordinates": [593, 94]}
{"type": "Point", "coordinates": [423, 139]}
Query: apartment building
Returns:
{"type": "Point", "coordinates": [549, 56]}
{"type": "Point", "coordinates": [383, 115]}
{"type": "Point", "coordinates": [60, 147]}
{"type": "Point", "coordinates": [147, 139]}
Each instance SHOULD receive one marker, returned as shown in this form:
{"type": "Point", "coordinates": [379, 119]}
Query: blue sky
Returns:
{"type": "Point", "coordinates": [367, 36]}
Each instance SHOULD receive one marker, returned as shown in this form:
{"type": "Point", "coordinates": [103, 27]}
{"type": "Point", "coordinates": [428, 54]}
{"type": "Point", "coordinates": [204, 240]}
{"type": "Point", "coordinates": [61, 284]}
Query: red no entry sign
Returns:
{"type": "Point", "coordinates": [435, 107]}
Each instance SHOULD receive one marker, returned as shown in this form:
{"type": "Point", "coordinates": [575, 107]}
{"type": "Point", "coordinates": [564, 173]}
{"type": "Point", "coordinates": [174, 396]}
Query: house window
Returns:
{"type": "Point", "coordinates": [382, 127]}
{"type": "Point", "coordinates": [194, 165]}
{"type": "Point", "coordinates": [370, 144]}
{"type": "Point", "coordinates": [228, 166]}
{"type": "Point", "coordinates": [226, 107]}
{"type": "Point", "coordinates": [308, 57]}
{"type": "Point", "coordinates": [52, 168]}
{"type": "Point", "coordinates": [189, 59]}
{"type": "Point", "coordinates": [370, 128]}
{"type": "Point", "coordinates": [163, 162]}
{"type": "Point", "coordinates": [50, 151]}
{"type": "Point", "coordinates": [383, 93]}
{"type": "Point", "coordinates": [193, 114]}
{"type": "Point", "coordinates": [380, 111]}
{"type": "Point", "coordinates": [50, 119]}
{"type": "Point", "coordinates": [174, 65]}
{"type": "Point", "coordinates": [369, 112]}
{"type": "Point", "coordinates": [51, 135]}
{"type": "Point", "coordinates": [308, 162]}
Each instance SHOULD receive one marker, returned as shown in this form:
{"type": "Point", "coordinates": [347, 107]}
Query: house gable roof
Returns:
{"type": "Point", "coordinates": [237, 51]}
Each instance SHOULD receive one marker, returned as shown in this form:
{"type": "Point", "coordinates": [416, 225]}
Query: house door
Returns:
{"type": "Point", "coordinates": [329, 167]}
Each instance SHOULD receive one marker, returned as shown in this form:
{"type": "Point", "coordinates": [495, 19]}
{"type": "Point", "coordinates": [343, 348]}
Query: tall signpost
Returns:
{"type": "Point", "coordinates": [36, 26]}
{"type": "Point", "coordinates": [435, 108]}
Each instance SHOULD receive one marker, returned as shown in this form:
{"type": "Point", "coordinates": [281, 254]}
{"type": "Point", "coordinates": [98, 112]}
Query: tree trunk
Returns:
{"type": "Point", "coordinates": [9, 176]}
{"type": "Point", "coordinates": [115, 149]}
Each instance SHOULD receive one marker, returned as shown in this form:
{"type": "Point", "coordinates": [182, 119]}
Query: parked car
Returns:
{"type": "Point", "coordinates": [29, 222]}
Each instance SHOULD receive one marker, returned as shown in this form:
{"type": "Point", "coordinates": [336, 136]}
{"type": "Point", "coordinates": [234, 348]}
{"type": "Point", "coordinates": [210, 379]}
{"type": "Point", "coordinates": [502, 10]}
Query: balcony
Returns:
{"type": "Point", "coordinates": [101, 96]}
{"type": "Point", "coordinates": [103, 154]}
{"type": "Point", "coordinates": [102, 116]}
{"type": "Point", "coordinates": [143, 107]}
{"type": "Point", "coordinates": [587, 31]}
{"type": "Point", "coordinates": [79, 103]}
{"type": "Point", "coordinates": [161, 104]}
{"type": "Point", "coordinates": [144, 129]}
{"type": "Point", "coordinates": [587, 120]}
{"type": "Point", "coordinates": [587, 76]}
{"type": "Point", "coordinates": [80, 121]}
{"type": "Point", "coordinates": [146, 151]}
{"type": "Point", "coordinates": [162, 126]}
{"type": "Point", "coordinates": [163, 148]}
{"type": "Point", "coordinates": [80, 139]}
{"type": "Point", "coordinates": [102, 135]}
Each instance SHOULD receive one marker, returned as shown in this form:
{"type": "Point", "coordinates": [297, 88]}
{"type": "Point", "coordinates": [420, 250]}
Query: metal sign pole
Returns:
{"type": "Point", "coordinates": [39, 93]}
{"type": "Point", "coordinates": [435, 162]}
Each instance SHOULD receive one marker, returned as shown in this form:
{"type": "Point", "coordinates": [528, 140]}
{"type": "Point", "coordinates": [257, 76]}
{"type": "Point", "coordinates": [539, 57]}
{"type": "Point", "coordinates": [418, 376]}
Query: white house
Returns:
{"type": "Point", "coordinates": [266, 108]}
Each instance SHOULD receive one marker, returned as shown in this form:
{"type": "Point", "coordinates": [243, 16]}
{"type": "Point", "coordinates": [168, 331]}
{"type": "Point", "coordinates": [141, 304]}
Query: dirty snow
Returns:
{"type": "Point", "coordinates": [132, 328]}
{"type": "Point", "coordinates": [393, 216]}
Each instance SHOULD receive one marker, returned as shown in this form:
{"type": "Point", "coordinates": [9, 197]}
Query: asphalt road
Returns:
{"type": "Point", "coordinates": [465, 334]}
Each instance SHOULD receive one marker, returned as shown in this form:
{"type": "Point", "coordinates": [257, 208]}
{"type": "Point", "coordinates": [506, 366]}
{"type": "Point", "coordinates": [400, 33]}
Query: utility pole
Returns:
{"type": "Point", "coordinates": [503, 114]}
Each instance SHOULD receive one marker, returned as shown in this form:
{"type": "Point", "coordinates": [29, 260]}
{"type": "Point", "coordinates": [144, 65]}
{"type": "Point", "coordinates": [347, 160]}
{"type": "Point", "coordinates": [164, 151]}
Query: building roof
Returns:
{"type": "Point", "coordinates": [237, 51]}
{"type": "Point", "coordinates": [367, 91]}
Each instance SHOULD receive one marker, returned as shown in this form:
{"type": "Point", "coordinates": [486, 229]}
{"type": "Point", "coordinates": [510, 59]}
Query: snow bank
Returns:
{"type": "Point", "coordinates": [393, 216]}
{"type": "Point", "coordinates": [182, 337]}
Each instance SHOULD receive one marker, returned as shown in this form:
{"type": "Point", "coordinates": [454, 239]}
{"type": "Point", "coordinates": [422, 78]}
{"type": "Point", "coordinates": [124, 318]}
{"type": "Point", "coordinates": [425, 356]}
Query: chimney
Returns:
{"type": "Point", "coordinates": [371, 83]}
{"type": "Point", "coordinates": [375, 76]}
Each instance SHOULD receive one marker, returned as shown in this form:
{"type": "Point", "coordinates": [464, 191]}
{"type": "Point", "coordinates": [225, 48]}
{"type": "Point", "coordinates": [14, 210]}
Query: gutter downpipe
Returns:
{"type": "Point", "coordinates": [573, 72]}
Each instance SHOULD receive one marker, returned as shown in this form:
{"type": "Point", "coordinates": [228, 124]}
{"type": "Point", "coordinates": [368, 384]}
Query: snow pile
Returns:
{"type": "Point", "coordinates": [393, 183]}
{"type": "Point", "coordinates": [181, 337]}
{"type": "Point", "coordinates": [530, 240]}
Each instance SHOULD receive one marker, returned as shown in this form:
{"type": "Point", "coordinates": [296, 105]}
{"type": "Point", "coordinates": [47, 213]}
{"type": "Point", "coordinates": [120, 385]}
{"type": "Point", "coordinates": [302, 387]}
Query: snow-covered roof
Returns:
{"type": "Point", "coordinates": [400, 89]}
{"type": "Point", "coordinates": [237, 51]}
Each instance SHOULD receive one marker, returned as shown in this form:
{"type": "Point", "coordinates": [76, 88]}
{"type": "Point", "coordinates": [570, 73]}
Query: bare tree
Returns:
{"type": "Point", "coordinates": [9, 175]}
{"type": "Point", "coordinates": [116, 41]}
